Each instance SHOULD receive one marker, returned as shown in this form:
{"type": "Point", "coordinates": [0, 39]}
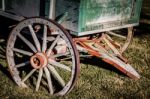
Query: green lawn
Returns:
{"type": "Point", "coordinates": [97, 80]}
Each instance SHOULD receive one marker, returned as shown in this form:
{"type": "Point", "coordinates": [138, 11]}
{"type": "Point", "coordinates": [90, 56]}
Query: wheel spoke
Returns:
{"type": "Point", "coordinates": [39, 79]}
{"type": "Point", "coordinates": [36, 41]}
{"type": "Point", "coordinates": [54, 63]}
{"type": "Point", "coordinates": [44, 46]}
{"type": "Point", "coordinates": [52, 46]}
{"type": "Point", "coordinates": [48, 76]}
{"type": "Point", "coordinates": [27, 42]}
{"type": "Point", "coordinates": [22, 52]}
{"type": "Point", "coordinates": [45, 52]}
{"type": "Point", "coordinates": [22, 64]}
{"type": "Point", "coordinates": [28, 75]}
{"type": "Point", "coordinates": [56, 75]}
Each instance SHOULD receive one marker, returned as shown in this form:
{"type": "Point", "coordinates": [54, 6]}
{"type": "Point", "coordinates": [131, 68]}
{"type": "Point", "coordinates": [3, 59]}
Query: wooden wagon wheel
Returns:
{"type": "Point", "coordinates": [36, 53]}
{"type": "Point", "coordinates": [124, 39]}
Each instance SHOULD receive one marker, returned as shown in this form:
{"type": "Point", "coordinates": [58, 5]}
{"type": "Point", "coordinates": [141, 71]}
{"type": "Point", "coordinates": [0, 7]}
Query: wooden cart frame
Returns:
{"type": "Point", "coordinates": [42, 48]}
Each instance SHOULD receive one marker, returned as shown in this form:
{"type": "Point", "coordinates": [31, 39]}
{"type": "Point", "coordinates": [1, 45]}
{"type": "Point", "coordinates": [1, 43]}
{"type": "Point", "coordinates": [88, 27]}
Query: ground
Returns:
{"type": "Point", "coordinates": [97, 80]}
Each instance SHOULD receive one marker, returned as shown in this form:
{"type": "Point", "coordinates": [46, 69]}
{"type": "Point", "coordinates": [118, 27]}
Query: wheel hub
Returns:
{"type": "Point", "coordinates": [39, 60]}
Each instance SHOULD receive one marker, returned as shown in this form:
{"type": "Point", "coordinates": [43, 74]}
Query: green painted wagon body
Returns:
{"type": "Point", "coordinates": [47, 50]}
{"type": "Point", "coordinates": [84, 16]}
{"type": "Point", "coordinates": [94, 16]}
{"type": "Point", "coordinates": [104, 15]}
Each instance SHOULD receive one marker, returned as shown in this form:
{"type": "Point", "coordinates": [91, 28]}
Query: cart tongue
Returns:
{"type": "Point", "coordinates": [120, 65]}
{"type": "Point", "coordinates": [108, 50]}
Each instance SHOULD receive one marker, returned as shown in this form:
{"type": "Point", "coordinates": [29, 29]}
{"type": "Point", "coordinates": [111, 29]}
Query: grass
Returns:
{"type": "Point", "coordinates": [97, 80]}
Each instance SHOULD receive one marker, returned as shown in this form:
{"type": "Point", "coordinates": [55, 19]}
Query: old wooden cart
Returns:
{"type": "Point", "coordinates": [42, 49]}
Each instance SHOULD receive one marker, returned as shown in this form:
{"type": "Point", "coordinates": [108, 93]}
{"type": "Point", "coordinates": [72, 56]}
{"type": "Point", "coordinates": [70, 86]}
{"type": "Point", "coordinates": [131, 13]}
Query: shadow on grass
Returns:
{"type": "Point", "coordinates": [6, 72]}
{"type": "Point", "coordinates": [4, 33]}
{"type": "Point", "coordinates": [141, 31]}
{"type": "Point", "coordinates": [143, 28]}
{"type": "Point", "coordinates": [101, 64]}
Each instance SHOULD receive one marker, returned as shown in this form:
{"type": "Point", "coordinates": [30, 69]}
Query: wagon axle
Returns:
{"type": "Point", "coordinates": [39, 60]}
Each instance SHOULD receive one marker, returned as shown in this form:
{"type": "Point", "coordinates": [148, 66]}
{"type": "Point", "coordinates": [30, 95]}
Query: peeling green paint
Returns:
{"type": "Point", "coordinates": [101, 14]}
{"type": "Point", "coordinates": [84, 15]}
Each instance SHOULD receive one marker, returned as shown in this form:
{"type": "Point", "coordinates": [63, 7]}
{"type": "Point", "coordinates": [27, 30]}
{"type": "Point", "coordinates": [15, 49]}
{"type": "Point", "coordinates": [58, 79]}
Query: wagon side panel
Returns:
{"type": "Point", "coordinates": [26, 8]}
{"type": "Point", "coordinates": [105, 15]}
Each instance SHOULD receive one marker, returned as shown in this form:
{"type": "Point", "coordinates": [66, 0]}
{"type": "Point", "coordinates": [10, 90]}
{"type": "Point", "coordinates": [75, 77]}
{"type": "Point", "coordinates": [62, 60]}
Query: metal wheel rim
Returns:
{"type": "Point", "coordinates": [63, 34]}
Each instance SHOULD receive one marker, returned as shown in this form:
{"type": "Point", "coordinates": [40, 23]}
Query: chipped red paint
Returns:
{"type": "Point", "coordinates": [83, 42]}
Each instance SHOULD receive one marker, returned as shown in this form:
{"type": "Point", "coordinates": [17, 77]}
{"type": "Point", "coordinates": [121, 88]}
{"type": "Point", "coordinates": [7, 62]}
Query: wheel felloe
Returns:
{"type": "Point", "coordinates": [123, 39]}
{"type": "Point", "coordinates": [32, 54]}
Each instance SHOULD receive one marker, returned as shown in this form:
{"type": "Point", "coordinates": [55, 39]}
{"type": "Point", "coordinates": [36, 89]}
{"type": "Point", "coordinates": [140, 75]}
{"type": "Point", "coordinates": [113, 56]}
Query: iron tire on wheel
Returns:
{"type": "Point", "coordinates": [35, 42]}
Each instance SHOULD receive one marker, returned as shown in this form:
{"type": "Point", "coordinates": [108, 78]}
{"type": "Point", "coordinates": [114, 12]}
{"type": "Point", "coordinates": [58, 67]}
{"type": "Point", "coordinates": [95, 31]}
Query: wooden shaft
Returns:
{"type": "Point", "coordinates": [52, 9]}
{"type": "Point", "coordinates": [3, 5]}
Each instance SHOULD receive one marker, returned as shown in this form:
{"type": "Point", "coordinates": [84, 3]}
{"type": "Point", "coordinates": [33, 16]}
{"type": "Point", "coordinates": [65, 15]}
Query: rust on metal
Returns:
{"type": "Point", "coordinates": [39, 60]}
